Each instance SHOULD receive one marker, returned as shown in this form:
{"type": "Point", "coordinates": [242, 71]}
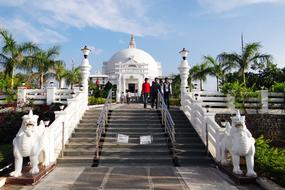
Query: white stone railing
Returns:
{"type": "Point", "coordinates": [266, 102]}
{"type": "Point", "coordinates": [205, 125]}
{"type": "Point", "coordinates": [65, 121]}
{"type": "Point", "coordinates": [44, 96]}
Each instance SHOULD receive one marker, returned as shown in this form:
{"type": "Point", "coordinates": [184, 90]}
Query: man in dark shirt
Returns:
{"type": "Point", "coordinates": [155, 87]}
{"type": "Point", "coordinates": [166, 91]}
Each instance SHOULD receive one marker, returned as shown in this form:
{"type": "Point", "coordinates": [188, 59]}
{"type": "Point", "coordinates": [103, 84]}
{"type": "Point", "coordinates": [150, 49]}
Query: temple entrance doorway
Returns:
{"type": "Point", "coordinates": [132, 87]}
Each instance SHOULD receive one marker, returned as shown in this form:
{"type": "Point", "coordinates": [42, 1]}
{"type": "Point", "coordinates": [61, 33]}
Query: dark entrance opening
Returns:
{"type": "Point", "coordinates": [132, 87]}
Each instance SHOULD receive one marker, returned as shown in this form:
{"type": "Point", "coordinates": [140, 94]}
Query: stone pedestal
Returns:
{"type": "Point", "coordinates": [239, 179]}
{"type": "Point", "coordinates": [29, 179]}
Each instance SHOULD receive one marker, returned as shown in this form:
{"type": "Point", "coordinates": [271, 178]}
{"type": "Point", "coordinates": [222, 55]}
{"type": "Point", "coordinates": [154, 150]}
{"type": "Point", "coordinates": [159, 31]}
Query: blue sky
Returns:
{"type": "Point", "coordinates": [161, 27]}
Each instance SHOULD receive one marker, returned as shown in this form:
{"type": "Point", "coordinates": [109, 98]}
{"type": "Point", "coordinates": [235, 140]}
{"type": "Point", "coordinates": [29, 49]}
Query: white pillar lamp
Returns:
{"type": "Point", "coordinates": [184, 73]}
{"type": "Point", "coordinates": [85, 68]}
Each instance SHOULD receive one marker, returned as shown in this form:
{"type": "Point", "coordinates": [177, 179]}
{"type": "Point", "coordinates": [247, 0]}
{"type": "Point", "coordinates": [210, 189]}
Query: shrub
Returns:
{"type": "Point", "coordinates": [270, 161]}
{"type": "Point", "coordinates": [278, 87]}
{"type": "Point", "coordinates": [93, 101]}
{"type": "Point", "coordinates": [174, 101]}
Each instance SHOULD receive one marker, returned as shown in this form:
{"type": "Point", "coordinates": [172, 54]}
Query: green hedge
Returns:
{"type": "Point", "coordinates": [93, 101]}
{"type": "Point", "coordinates": [270, 161]}
{"type": "Point", "coordinates": [174, 101]}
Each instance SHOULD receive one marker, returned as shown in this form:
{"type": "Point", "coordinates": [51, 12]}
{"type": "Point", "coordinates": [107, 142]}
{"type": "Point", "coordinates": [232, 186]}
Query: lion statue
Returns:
{"type": "Point", "coordinates": [30, 140]}
{"type": "Point", "coordinates": [239, 142]}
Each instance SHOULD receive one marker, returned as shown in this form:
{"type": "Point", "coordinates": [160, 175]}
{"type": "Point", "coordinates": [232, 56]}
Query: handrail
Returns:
{"type": "Point", "coordinates": [102, 121]}
{"type": "Point", "coordinates": [167, 121]}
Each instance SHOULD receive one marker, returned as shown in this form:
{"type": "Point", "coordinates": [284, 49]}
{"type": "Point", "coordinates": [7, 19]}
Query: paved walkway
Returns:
{"type": "Point", "coordinates": [135, 178]}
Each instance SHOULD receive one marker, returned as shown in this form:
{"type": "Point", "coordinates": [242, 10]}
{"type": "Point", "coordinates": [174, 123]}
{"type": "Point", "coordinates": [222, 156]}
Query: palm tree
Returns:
{"type": "Point", "coordinates": [200, 72]}
{"type": "Point", "coordinates": [45, 60]}
{"type": "Point", "coordinates": [13, 53]}
{"type": "Point", "coordinates": [218, 68]}
{"type": "Point", "coordinates": [250, 54]}
{"type": "Point", "coordinates": [73, 76]}
{"type": "Point", "coordinates": [60, 72]}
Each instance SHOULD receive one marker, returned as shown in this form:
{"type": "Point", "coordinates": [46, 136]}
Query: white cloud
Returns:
{"type": "Point", "coordinates": [22, 28]}
{"type": "Point", "coordinates": [95, 50]}
{"type": "Point", "coordinates": [114, 15]}
{"type": "Point", "coordinates": [218, 6]}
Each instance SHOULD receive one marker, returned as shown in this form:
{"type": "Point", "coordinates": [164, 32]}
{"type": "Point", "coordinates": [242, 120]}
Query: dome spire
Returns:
{"type": "Point", "coordinates": [132, 42]}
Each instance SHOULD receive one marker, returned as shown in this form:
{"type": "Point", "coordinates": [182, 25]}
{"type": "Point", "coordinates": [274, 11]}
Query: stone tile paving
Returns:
{"type": "Point", "coordinates": [135, 178]}
{"type": "Point", "coordinates": [203, 178]}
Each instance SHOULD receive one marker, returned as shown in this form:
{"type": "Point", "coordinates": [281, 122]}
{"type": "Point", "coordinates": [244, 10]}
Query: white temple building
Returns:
{"type": "Point", "coordinates": [128, 67]}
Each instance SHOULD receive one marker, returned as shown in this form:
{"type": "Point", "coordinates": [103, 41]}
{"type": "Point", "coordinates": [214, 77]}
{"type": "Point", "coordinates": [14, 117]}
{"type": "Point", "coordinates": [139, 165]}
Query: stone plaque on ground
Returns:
{"type": "Point", "coordinates": [122, 138]}
{"type": "Point", "coordinates": [146, 139]}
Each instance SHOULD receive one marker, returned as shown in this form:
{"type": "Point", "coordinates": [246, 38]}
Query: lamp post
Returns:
{"type": "Point", "coordinates": [184, 73]}
{"type": "Point", "coordinates": [85, 68]}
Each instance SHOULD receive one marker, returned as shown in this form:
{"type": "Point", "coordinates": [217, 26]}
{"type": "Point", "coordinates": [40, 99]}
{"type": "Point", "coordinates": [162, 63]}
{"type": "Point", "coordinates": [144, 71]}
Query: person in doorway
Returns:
{"type": "Point", "coordinates": [155, 87]}
{"type": "Point", "coordinates": [167, 91]}
{"type": "Point", "coordinates": [122, 98]}
{"type": "Point", "coordinates": [145, 91]}
{"type": "Point", "coordinates": [128, 96]}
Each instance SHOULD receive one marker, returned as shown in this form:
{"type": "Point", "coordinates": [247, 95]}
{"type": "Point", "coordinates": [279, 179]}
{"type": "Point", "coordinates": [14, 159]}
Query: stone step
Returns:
{"type": "Point", "coordinates": [190, 146]}
{"type": "Point", "coordinates": [139, 125]}
{"type": "Point", "coordinates": [195, 160]}
{"type": "Point", "coordinates": [89, 121]}
{"type": "Point", "coordinates": [132, 111]}
{"type": "Point", "coordinates": [136, 134]}
{"type": "Point", "coordinates": [131, 120]}
{"type": "Point", "coordinates": [136, 161]}
{"type": "Point", "coordinates": [135, 116]}
{"type": "Point", "coordinates": [136, 121]}
{"type": "Point", "coordinates": [134, 146]}
{"type": "Point", "coordinates": [76, 161]}
{"type": "Point", "coordinates": [135, 153]}
{"type": "Point", "coordinates": [191, 152]}
{"type": "Point", "coordinates": [84, 134]}
{"type": "Point", "coordinates": [80, 152]}
{"type": "Point", "coordinates": [87, 124]}
{"type": "Point", "coordinates": [137, 140]}
{"type": "Point", "coordinates": [85, 129]}
{"type": "Point", "coordinates": [137, 130]}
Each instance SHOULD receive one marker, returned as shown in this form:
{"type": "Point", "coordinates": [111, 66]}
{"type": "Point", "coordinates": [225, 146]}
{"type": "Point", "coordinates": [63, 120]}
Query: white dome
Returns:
{"type": "Point", "coordinates": [137, 55]}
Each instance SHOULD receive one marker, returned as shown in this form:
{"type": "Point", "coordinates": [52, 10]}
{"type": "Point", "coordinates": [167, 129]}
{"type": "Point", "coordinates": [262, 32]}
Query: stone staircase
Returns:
{"type": "Point", "coordinates": [135, 123]}
{"type": "Point", "coordinates": [80, 151]}
{"type": "Point", "coordinates": [190, 148]}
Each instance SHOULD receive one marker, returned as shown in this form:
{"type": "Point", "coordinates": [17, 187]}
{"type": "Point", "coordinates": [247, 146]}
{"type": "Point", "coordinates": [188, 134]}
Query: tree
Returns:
{"type": "Point", "coordinates": [45, 60]}
{"type": "Point", "coordinates": [13, 53]}
{"type": "Point", "coordinates": [73, 76]}
{"type": "Point", "coordinates": [218, 68]}
{"type": "Point", "coordinates": [200, 72]}
{"type": "Point", "coordinates": [60, 72]}
{"type": "Point", "coordinates": [250, 55]}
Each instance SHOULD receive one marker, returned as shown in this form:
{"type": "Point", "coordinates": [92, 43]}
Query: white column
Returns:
{"type": "Point", "coordinates": [21, 96]}
{"type": "Point", "coordinates": [118, 95]}
{"type": "Point", "coordinates": [51, 95]}
{"type": "Point", "coordinates": [85, 68]}
{"type": "Point", "coordinates": [264, 101]}
{"type": "Point", "coordinates": [184, 73]}
{"type": "Point", "coordinates": [124, 84]}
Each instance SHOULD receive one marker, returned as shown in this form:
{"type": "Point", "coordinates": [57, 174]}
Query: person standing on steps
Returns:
{"type": "Point", "coordinates": [167, 91]}
{"type": "Point", "coordinates": [145, 91]}
{"type": "Point", "coordinates": [155, 87]}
